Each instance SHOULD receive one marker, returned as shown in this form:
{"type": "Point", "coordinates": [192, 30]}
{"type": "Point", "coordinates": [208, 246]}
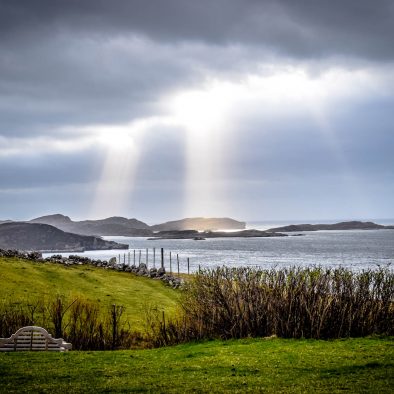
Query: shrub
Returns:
{"type": "Point", "coordinates": [290, 303]}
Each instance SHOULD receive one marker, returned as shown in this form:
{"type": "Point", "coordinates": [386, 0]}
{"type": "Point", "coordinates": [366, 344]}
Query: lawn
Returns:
{"type": "Point", "coordinates": [23, 280]}
{"type": "Point", "coordinates": [251, 365]}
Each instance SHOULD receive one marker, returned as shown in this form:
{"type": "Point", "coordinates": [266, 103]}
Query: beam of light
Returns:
{"type": "Point", "coordinates": [122, 148]}
{"type": "Point", "coordinates": [347, 178]}
{"type": "Point", "coordinates": [116, 182]}
{"type": "Point", "coordinates": [203, 114]}
{"type": "Point", "coordinates": [209, 115]}
{"type": "Point", "coordinates": [115, 185]}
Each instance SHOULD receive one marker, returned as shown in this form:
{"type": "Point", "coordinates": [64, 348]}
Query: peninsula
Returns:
{"type": "Point", "coordinates": [43, 237]}
{"type": "Point", "coordinates": [351, 225]}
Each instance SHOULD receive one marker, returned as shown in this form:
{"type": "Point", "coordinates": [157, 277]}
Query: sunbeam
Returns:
{"type": "Point", "coordinates": [209, 116]}
{"type": "Point", "coordinates": [203, 114]}
{"type": "Point", "coordinates": [347, 180]}
{"type": "Point", "coordinates": [116, 183]}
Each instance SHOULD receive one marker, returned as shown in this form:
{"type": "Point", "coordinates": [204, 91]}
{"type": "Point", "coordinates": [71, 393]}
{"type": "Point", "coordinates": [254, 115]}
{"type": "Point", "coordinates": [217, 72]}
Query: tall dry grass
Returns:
{"type": "Point", "coordinates": [79, 321]}
{"type": "Point", "coordinates": [227, 303]}
{"type": "Point", "coordinates": [290, 303]}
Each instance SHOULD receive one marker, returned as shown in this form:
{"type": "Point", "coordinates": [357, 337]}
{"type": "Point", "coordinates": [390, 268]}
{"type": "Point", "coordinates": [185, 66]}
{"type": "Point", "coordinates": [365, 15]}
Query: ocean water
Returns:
{"type": "Point", "coordinates": [354, 249]}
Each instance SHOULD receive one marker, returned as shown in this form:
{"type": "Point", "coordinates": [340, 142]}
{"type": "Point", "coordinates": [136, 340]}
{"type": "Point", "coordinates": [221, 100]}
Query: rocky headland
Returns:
{"type": "Point", "coordinates": [44, 237]}
{"type": "Point", "coordinates": [351, 225]}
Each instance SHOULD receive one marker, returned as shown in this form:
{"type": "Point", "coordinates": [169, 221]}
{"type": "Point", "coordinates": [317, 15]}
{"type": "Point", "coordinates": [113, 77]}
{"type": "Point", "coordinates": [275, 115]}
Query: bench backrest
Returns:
{"type": "Point", "coordinates": [33, 338]}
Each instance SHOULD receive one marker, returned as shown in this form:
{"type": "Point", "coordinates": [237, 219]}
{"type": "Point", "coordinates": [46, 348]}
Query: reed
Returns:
{"type": "Point", "coordinates": [226, 303]}
{"type": "Point", "coordinates": [289, 303]}
{"type": "Point", "coordinates": [79, 321]}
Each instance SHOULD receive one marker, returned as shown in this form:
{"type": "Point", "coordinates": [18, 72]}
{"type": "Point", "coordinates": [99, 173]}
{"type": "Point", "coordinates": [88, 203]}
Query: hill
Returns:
{"type": "Point", "coordinates": [23, 280]}
{"type": "Point", "coordinates": [109, 226]}
{"type": "Point", "coordinates": [352, 225]}
{"type": "Point", "coordinates": [117, 225]}
{"type": "Point", "coordinates": [44, 237]}
{"type": "Point", "coordinates": [200, 224]}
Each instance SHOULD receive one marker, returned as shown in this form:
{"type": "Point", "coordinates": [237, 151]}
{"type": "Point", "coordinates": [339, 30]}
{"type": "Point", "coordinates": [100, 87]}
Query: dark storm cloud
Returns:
{"type": "Point", "coordinates": [68, 81]}
{"type": "Point", "coordinates": [91, 62]}
{"type": "Point", "coordinates": [300, 28]}
{"type": "Point", "coordinates": [67, 64]}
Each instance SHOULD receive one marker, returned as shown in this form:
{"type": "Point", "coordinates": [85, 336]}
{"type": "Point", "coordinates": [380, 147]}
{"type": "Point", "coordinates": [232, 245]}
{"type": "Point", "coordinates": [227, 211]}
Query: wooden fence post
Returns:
{"type": "Point", "coordinates": [170, 264]}
{"type": "Point", "coordinates": [162, 258]}
{"type": "Point", "coordinates": [154, 257]}
{"type": "Point", "coordinates": [177, 261]}
{"type": "Point", "coordinates": [188, 266]}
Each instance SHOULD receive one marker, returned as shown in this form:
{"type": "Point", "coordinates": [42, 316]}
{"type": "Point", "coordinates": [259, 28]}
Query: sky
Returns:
{"type": "Point", "coordinates": [251, 109]}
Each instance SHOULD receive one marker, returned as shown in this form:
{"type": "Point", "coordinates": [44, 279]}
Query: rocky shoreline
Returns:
{"type": "Point", "coordinates": [140, 270]}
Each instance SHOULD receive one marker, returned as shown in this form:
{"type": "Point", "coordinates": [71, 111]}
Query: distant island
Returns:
{"type": "Point", "coordinates": [201, 235]}
{"type": "Point", "coordinates": [200, 224]}
{"type": "Point", "coordinates": [351, 225]}
{"type": "Point", "coordinates": [44, 237]}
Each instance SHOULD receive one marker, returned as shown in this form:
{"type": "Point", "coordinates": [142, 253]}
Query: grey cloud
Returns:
{"type": "Point", "coordinates": [359, 142]}
{"type": "Point", "coordinates": [46, 170]}
{"type": "Point", "coordinates": [66, 81]}
{"type": "Point", "coordinates": [306, 28]}
{"type": "Point", "coordinates": [90, 62]}
{"type": "Point", "coordinates": [69, 64]}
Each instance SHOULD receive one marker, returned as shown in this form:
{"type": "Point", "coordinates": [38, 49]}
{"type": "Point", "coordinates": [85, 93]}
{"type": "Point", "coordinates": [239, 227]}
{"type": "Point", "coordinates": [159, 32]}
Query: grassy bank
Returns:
{"type": "Point", "coordinates": [25, 281]}
{"type": "Point", "coordinates": [250, 365]}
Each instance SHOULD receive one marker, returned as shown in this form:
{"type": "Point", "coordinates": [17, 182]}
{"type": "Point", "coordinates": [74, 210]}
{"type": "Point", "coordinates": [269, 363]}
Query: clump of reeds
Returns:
{"type": "Point", "coordinates": [79, 321]}
{"type": "Point", "coordinates": [289, 303]}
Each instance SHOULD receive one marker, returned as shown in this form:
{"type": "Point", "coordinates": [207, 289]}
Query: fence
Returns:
{"type": "Point", "coordinates": [168, 262]}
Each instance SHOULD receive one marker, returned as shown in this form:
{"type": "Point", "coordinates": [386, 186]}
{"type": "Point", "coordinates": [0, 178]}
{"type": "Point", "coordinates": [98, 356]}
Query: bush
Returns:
{"type": "Point", "coordinates": [78, 321]}
{"type": "Point", "coordinates": [290, 303]}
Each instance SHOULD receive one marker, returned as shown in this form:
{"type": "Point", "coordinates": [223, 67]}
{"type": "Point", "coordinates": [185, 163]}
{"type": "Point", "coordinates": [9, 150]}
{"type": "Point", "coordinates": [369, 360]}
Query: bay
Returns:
{"type": "Point", "coordinates": [354, 249]}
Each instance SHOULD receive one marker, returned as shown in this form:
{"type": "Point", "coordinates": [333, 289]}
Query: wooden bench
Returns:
{"type": "Point", "coordinates": [35, 339]}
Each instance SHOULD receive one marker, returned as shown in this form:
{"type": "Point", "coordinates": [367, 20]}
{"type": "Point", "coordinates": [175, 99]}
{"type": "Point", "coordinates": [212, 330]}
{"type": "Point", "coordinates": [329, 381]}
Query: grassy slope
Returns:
{"type": "Point", "coordinates": [23, 280]}
{"type": "Point", "coordinates": [359, 365]}
{"type": "Point", "coordinates": [254, 365]}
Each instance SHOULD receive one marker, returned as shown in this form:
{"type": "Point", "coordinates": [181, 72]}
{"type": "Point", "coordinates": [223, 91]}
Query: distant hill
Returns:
{"type": "Point", "coordinates": [200, 224]}
{"type": "Point", "coordinates": [44, 237]}
{"type": "Point", "coordinates": [135, 228]}
{"type": "Point", "coordinates": [110, 226]}
{"type": "Point", "coordinates": [352, 225]}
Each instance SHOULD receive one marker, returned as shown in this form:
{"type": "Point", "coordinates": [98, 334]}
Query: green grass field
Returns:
{"type": "Point", "coordinates": [23, 280]}
{"type": "Point", "coordinates": [252, 365]}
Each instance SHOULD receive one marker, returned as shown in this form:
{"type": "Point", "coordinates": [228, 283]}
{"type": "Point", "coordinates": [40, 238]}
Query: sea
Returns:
{"type": "Point", "coordinates": [353, 249]}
